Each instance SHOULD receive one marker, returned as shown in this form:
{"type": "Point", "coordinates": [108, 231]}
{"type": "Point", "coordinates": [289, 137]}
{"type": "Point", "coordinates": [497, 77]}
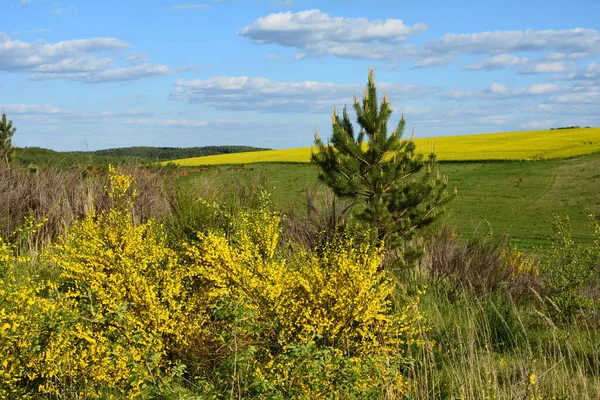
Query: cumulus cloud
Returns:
{"type": "Point", "coordinates": [576, 40]}
{"type": "Point", "coordinates": [77, 60]}
{"type": "Point", "coordinates": [550, 63]}
{"type": "Point", "coordinates": [566, 44]}
{"type": "Point", "coordinates": [262, 94]}
{"type": "Point", "coordinates": [16, 55]}
{"type": "Point", "coordinates": [497, 91]}
{"type": "Point", "coordinates": [552, 67]}
{"type": "Point", "coordinates": [497, 62]}
{"type": "Point", "coordinates": [112, 75]}
{"type": "Point", "coordinates": [316, 33]}
{"type": "Point", "coordinates": [591, 74]}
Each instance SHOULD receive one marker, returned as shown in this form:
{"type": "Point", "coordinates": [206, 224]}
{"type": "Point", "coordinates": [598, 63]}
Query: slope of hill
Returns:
{"type": "Point", "coordinates": [525, 145]}
{"type": "Point", "coordinates": [515, 197]}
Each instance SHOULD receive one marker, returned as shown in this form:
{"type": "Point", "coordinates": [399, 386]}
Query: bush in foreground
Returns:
{"type": "Point", "coordinates": [126, 316]}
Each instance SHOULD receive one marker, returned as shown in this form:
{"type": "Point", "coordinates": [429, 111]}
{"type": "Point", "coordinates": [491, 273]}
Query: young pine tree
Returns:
{"type": "Point", "coordinates": [7, 131]}
{"type": "Point", "coordinates": [399, 190]}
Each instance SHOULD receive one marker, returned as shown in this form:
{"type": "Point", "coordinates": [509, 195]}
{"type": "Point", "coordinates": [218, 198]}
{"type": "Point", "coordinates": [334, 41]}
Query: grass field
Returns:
{"type": "Point", "coordinates": [515, 197]}
{"type": "Point", "coordinates": [527, 145]}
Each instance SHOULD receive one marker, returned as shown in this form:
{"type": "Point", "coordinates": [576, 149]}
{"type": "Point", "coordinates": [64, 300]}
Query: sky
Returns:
{"type": "Point", "coordinates": [88, 75]}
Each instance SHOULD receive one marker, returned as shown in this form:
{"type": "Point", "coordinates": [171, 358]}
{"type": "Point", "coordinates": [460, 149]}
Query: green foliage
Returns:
{"type": "Point", "coordinates": [489, 191]}
{"type": "Point", "coordinates": [318, 325]}
{"type": "Point", "coordinates": [7, 151]}
{"type": "Point", "coordinates": [568, 272]}
{"type": "Point", "coordinates": [400, 190]}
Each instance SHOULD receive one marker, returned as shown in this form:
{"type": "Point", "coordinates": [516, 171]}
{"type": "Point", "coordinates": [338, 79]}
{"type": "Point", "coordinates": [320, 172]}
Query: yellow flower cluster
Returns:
{"type": "Point", "coordinates": [523, 145]}
{"type": "Point", "coordinates": [335, 301]}
{"type": "Point", "coordinates": [522, 264]}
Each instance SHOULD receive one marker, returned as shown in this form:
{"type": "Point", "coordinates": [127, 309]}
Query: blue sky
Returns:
{"type": "Point", "coordinates": [77, 75]}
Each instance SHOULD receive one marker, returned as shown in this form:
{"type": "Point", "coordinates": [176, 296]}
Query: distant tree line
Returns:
{"type": "Point", "coordinates": [570, 127]}
{"type": "Point", "coordinates": [140, 154]}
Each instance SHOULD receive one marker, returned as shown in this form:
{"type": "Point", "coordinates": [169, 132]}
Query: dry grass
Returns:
{"type": "Point", "coordinates": [62, 196]}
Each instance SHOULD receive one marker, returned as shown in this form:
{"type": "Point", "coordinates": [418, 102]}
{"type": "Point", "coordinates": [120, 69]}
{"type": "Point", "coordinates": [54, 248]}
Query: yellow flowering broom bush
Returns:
{"type": "Point", "coordinates": [320, 326]}
{"type": "Point", "coordinates": [124, 314]}
{"type": "Point", "coordinates": [102, 326]}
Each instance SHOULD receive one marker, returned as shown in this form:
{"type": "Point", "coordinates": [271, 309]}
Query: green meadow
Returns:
{"type": "Point", "coordinates": [515, 197]}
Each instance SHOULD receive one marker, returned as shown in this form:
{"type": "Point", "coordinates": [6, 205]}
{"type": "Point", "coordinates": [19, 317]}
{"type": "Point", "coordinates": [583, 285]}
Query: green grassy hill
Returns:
{"type": "Point", "coordinates": [514, 197]}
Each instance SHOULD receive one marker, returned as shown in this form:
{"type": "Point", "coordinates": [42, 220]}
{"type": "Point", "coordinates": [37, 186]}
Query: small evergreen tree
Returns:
{"type": "Point", "coordinates": [400, 190]}
{"type": "Point", "coordinates": [7, 131]}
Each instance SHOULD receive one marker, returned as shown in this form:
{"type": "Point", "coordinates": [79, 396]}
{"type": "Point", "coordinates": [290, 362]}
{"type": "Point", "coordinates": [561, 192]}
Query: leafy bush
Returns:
{"type": "Point", "coordinates": [332, 305]}
{"type": "Point", "coordinates": [569, 272]}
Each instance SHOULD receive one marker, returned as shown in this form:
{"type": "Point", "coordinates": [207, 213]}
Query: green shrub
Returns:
{"type": "Point", "coordinates": [568, 272]}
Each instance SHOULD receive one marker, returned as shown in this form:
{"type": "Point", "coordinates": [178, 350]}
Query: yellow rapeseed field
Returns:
{"type": "Point", "coordinates": [526, 145]}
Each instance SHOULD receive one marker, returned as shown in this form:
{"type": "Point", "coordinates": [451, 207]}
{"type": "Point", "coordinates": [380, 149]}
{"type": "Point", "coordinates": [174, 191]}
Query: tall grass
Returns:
{"type": "Point", "coordinates": [61, 196]}
{"type": "Point", "coordinates": [491, 347]}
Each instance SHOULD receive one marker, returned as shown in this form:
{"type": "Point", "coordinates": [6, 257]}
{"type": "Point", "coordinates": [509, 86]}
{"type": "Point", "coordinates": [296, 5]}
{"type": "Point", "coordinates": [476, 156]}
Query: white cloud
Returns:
{"type": "Point", "coordinates": [586, 97]}
{"type": "Point", "coordinates": [562, 44]}
{"type": "Point", "coordinates": [262, 94]}
{"type": "Point", "coordinates": [57, 11]}
{"type": "Point", "coordinates": [111, 75]}
{"type": "Point", "coordinates": [34, 109]}
{"type": "Point", "coordinates": [83, 64]}
{"type": "Point", "coordinates": [432, 62]}
{"type": "Point", "coordinates": [75, 60]}
{"type": "Point", "coordinates": [182, 7]}
{"type": "Point", "coordinates": [555, 56]}
{"type": "Point", "coordinates": [497, 62]}
{"type": "Point", "coordinates": [576, 40]}
{"type": "Point", "coordinates": [16, 55]}
{"type": "Point", "coordinates": [543, 88]}
{"type": "Point", "coordinates": [497, 91]}
{"type": "Point", "coordinates": [316, 33]}
{"type": "Point", "coordinates": [552, 67]}
{"type": "Point", "coordinates": [551, 63]}
{"type": "Point", "coordinates": [566, 108]}
{"type": "Point", "coordinates": [590, 73]}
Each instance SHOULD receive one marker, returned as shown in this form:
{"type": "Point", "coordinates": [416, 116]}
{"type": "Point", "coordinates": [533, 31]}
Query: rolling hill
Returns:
{"type": "Point", "coordinates": [524, 145]}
